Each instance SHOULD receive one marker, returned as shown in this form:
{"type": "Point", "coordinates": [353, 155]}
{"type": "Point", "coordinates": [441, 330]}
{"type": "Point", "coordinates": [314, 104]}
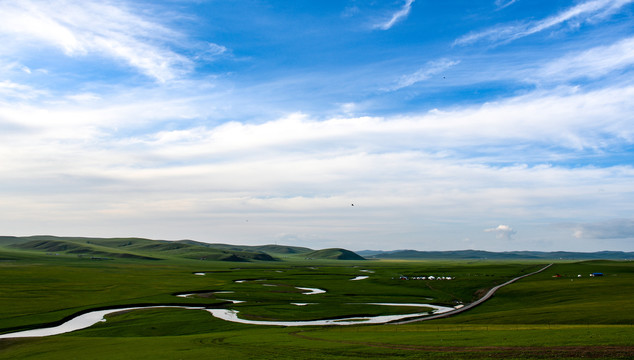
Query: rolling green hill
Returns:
{"type": "Point", "coordinates": [147, 249]}
{"type": "Point", "coordinates": [282, 249]}
{"type": "Point", "coordinates": [269, 249]}
{"type": "Point", "coordinates": [132, 248]}
{"type": "Point", "coordinates": [333, 254]}
{"type": "Point", "coordinates": [8, 240]}
{"type": "Point", "coordinates": [55, 247]}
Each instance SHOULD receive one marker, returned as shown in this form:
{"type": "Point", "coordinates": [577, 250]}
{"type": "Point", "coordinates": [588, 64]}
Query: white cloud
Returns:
{"type": "Point", "coordinates": [430, 69]}
{"type": "Point", "coordinates": [84, 97]}
{"type": "Point", "coordinates": [396, 17]}
{"type": "Point", "coordinates": [588, 11]}
{"type": "Point", "coordinates": [211, 51]}
{"type": "Point", "coordinates": [163, 162]}
{"type": "Point", "coordinates": [502, 232]}
{"type": "Point", "coordinates": [349, 108]}
{"type": "Point", "coordinates": [129, 161]}
{"type": "Point", "coordinates": [215, 49]}
{"type": "Point", "coordinates": [585, 121]}
{"type": "Point", "coordinates": [12, 90]}
{"type": "Point", "coordinates": [501, 4]}
{"type": "Point", "coordinates": [350, 11]}
{"type": "Point", "coordinates": [610, 229]}
{"type": "Point", "coordinates": [81, 28]}
{"type": "Point", "coordinates": [592, 63]}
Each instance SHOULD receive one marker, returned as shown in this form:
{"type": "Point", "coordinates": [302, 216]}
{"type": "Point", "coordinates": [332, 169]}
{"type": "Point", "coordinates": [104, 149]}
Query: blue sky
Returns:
{"type": "Point", "coordinates": [482, 124]}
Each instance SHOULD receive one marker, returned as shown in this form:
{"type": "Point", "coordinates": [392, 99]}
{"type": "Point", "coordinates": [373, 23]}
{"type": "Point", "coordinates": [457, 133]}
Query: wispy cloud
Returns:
{"type": "Point", "coordinates": [502, 232]}
{"type": "Point", "coordinates": [119, 170]}
{"type": "Point", "coordinates": [585, 122]}
{"type": "Point", "coordinates": [593, 63]}
{"type": "Point", "coordinates": [501, 4]}
{"type": "Point", "coordinates": [588, 11]}
{"type": "Point", "coordinates": [81, 28]}
{"type": "Point", "coordinates": [396, 17]}
{"type": "Point", "coordinates": [611, 229]}
{"type": "Point", "coordinates": [12, 90]}
{"type": "Point", "coordinates": [84, 145]}
{"type": "Point", "coordinates": [430, 69]}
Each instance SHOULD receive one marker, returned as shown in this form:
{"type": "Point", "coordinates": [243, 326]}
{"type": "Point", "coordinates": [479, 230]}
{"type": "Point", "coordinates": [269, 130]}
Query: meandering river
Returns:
{"type": "Point", "coordinates": [86, 320]}
{"type": "Point", "coordinates": [80, 322]}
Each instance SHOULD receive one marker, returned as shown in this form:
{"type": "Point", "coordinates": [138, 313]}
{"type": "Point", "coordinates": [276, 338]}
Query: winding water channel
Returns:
{"type": "Point", "coordinates": [88, 319]}
{"type": "Point", "coordinates": [80, 322]}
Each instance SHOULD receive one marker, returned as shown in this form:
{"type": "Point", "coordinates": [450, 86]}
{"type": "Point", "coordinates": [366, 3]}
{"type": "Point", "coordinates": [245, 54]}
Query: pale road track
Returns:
{"type": "Point", "coordinates": [486, 297]}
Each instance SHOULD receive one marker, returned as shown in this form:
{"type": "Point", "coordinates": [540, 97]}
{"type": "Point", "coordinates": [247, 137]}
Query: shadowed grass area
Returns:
{"type": "Point", "coordinates": [429, 334]}
{"type": "Point", "coordinates": [146, 340]}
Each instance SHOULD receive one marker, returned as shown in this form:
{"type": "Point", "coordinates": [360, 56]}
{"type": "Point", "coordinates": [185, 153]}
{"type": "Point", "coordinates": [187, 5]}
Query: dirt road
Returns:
{"type": "Point", "coordinates": [486, 297]}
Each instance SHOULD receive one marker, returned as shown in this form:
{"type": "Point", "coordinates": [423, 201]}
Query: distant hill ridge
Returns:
{"type": "Point", "coordinates": [490, 255]}
{"type": "Point", "coordinates": [276, 249]}
{"type": "Point", "coordinates": [147, 249]}
{"type": "Point", "coordinates": [333, 254]}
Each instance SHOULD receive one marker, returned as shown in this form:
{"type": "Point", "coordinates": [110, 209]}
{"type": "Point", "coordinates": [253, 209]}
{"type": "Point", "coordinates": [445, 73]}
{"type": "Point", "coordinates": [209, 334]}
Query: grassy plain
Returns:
{"type": "Point", "coordinates": [537, 317]}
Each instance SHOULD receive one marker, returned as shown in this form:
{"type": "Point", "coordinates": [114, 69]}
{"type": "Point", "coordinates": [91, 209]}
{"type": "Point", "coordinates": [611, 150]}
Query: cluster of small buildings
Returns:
{"type": "Point", "coordinates": [431, 277]}
{"type": "Point", "coordinates": [591, 275]}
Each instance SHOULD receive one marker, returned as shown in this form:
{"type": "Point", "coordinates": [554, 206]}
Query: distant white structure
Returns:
{"type": "Point", "coordinates": [430, 277]}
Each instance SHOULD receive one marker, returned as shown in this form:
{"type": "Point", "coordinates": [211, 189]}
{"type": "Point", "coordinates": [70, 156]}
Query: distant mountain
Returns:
{"type": "Point", "coordinates": [58, 246]}
{"type": "Point", "coordinates": [333, 254]}
{"type": "Point", "coordinates": [7, 240]}
{"type": "Point", "coordinates": [508, 255]}
{"type": "Point", "coordinates": [132, 248]}
{"type": "Point", "coordinates": [269, 249]}
{"type": "Point", "coordinates": [369, 252]}
{"type": "Point", "coordinates": [375, 252]}
{"type": "Point", "coordinates": [146, 249]}
{"type": "Point", "coordinates": [282, 249]}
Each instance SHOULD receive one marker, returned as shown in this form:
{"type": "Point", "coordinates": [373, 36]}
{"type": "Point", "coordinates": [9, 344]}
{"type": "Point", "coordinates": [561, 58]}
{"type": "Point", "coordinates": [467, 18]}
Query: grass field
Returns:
{"type": "Point", "coordinates": [537, 317]}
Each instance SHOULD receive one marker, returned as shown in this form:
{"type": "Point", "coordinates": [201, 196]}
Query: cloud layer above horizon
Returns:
{"type": "Point", "coordinates": [508, 125]}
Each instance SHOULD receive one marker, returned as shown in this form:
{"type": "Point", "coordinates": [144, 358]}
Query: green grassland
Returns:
{"type": "Point", "coordinates": [540, 316]}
